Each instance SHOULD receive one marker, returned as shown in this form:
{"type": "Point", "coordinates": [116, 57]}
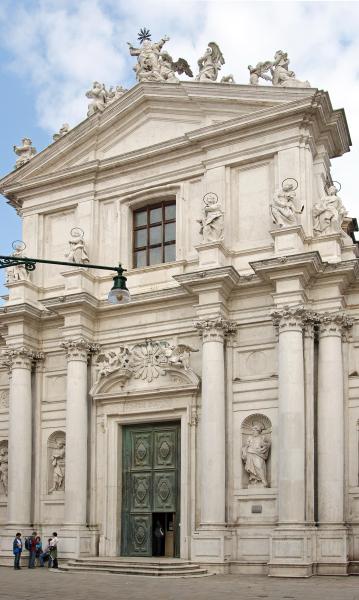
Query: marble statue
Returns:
{"type": "Point", "coordinates": [255, 455]}
{"type": "Point", "coordinates": [329, 213]}
{"type": "Point", "coordinates": [98, 95]}
{"type": "Point", "coordinates": [283, 206]}
{"type": "Point", "coordinates": [212, 222]}
{"type": "Point", "coordinates": [148, 59]}
{"type": "Point", "coordinates": [168, 68]}
{"type": "Point", "coordinates": [24, 152]}
{"type": "Point", "coordinates": [281, 75]}
{"type": "Point", "coordinates": [58, 464]}
{"type": "Point", "coordinates": [17, 272]}
{"type": "Point", "coordinates": [259, 72]}
{"type": "Point", "coordinates": [210, 63]}
{"type": "Point", "coordinates": [179, 355]}
{"type": "Point", "coordinates": [115, 94]}
{"type": "Point", "coordinates": [228, 79]}
{"type": "Point", "coordinates": [62, 131]}
{"type": "Point", "coordinates": [4, 469]}
{"type": "Point", "coordinates": [77, 252]}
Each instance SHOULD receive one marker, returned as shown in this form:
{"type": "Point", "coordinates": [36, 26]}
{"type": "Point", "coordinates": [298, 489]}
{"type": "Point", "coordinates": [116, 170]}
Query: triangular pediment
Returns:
{"type": "Point", "coordinates": [151, 115]}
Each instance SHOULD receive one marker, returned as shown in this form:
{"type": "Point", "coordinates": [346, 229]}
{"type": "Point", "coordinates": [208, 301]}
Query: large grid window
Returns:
{"type": "Point", "coordinates": [154, 234]}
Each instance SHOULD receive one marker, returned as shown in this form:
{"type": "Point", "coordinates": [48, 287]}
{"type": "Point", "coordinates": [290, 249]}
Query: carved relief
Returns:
{"type": "Point", "coordinates": [77, 251]}
{"type": "Point", "coordinates": [4, 399]}
{"type": "Point", "coordinates": [4, 468]}
{"type": "Point", "coordinates": [56, 462]}
{"type": "Point", "coordinates": [256, 436]}
{"type": "Point", "coordinates": [146, 360]}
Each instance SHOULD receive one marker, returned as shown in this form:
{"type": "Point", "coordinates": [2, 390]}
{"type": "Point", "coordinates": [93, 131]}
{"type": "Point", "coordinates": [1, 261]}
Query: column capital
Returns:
{"type": "Point", "coordinates": [334, 324]}
{"type": "Point", "coordinates": [290, 318]}
{"type": "Point", "coordinates": [21, 357]}
{"type": "Point", "coordinates": [79, 349]}
{"type": "Point", "coordinates": [215, 329]}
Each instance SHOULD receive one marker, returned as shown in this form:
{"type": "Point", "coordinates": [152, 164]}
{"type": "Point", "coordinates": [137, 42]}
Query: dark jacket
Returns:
{"type": "Point", "coordinates": [15, 546]}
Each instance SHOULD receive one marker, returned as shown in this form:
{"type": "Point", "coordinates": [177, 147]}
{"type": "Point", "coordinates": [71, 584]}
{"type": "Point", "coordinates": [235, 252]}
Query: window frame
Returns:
{"type": "Point", "coordinates": [147, 227]}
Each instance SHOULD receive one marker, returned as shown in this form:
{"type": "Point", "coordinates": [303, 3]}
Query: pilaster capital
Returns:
{"type": "Point", "coordinates": [21, 357]}
{"type": "Point", "coordinates": [216, 329]}
{"type": "Point", "coordinates": [289, 318]}
{"type": "Point", "coordinates": [79, 349]}
{"type": "Point", "coordinates": [334, 325]}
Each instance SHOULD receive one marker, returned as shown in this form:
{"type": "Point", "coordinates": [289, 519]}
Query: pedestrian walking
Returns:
{"type": "Point", "coordinates": [30, 545]}
{"type": "Point", "coordinates": [17, 549]}
{"type": "Point", "coordinates": [53, 551]}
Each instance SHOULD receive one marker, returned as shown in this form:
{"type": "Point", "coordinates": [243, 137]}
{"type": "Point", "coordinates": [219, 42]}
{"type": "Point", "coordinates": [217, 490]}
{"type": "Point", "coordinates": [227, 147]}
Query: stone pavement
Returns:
{"type": "Point", "coordinates": [41, 584]}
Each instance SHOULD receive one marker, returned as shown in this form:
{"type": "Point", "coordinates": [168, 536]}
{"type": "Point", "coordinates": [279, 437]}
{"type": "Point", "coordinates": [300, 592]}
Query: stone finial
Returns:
{"type": "Point", "coordinates": [24, 152]}
{"type": "Point", "coordinates": [64, 129]}
{"type": "Point", "coordinates": [283, 208]}
{"type": "Point", "coordinates": [77, 252]}
{"type": "Point", "coordinates": [210, 63]}
{"type": "Point", "coordinates": [212, 222]}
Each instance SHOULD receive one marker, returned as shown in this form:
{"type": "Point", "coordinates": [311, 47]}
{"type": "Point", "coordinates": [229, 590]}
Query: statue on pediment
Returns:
{"type": "Point", "coordinates": [98, 95]}
{"type": "Point", "coordinates": [228, 79]}
{"type": "Point", "coordinates": [62, 131]}
{"type": "Point", "coordinates": [115, 94]}
{"type": "Point", "coordinates": [77, 252]}
{"type": "Point", "coordinates": [24, 152]}
{"type": "Point", "coordinates": [329, 213]}
{"type": "Point", "coordinates": [259, 72]}
{"type": "Point", "coordinates": [283, 207]}
{"type": "Point", "coordinates": [168, 68]}
{"type": "Point", "coordinates": [148, 57]}
{"type": "Point", "coordinates": [281, 75]}
{"type": "Point", "coordinates": [212, 222]}
{"type": "Point", "coordinates": [210, 63]}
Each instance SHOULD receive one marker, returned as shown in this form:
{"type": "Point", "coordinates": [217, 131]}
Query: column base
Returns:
{"type": "Point", "coordinates": [332, 550]}
{"type": "Point", "coordinates": [292, 552]}
{"type": "Point", "coordinates": [211, 546]}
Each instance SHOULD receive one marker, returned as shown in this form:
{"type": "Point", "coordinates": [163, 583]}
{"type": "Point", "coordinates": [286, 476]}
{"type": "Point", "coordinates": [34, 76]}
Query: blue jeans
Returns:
{"type": "Point", "coordinates": [42, 558]}
{"type": "Point", "coordinates": [32, 558]}
{"type": "Point", "coordinates": [17, 560]}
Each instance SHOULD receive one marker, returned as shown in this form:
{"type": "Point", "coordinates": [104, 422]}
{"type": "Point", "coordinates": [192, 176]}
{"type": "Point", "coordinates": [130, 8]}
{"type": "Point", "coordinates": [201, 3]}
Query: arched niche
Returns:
{"type": "Point", "coordinates": [4, 468]}
{"type": "Point", "coordinates": [56, 445]}
{"type": "Point", "coordinates": [256, 432]}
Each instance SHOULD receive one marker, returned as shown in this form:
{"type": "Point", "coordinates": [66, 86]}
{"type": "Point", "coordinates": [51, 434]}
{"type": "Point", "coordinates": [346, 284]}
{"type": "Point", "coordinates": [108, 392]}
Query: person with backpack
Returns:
{"type": "Point", "coordinates": [17, 549]}
{"type": "Point", "coordinates": [30, 545]}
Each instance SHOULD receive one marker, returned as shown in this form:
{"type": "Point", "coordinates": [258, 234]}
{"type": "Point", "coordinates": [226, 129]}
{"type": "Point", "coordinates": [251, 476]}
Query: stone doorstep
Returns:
{"type": "Point", "coordinates": [136, 567]}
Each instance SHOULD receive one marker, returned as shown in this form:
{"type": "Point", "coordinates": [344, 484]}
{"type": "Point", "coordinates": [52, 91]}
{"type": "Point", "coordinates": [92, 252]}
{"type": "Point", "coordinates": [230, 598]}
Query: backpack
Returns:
{"type": "Point", "coordinates": [27, 544]}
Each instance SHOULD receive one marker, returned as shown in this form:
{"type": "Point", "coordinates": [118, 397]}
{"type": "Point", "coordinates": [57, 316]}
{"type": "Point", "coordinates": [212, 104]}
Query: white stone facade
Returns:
{"type": "Point", "coordinates": [272, 310]}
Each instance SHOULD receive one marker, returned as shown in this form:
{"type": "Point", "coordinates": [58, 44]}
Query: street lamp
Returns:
{"type": "Point", "coordinates": [118, 294]}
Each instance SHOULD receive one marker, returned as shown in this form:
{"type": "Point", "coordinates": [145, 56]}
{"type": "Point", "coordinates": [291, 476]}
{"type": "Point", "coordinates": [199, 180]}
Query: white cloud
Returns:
{"type": "Point", "coordinates": [61, 47]}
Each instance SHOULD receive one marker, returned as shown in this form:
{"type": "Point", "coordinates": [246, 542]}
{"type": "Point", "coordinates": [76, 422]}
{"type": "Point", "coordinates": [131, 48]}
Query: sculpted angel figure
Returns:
{"type": "Point", "coordinates": [77, 252]}
{"type": "Point", "coordinates": [259, 71]}
{"type": "Point", "coordinates": [212, 222]}
{"type": "Point", "coordinates": [148, 59]}
{"type": "Point", "coordinates": [179, 355]}
{"type": "Point", "coordinates": [255, 454]}
{"type": "Point", "coordinates": [62, 131]}
{"type": "Point", "coordinates": [24, 152]}
{"type": "Point", "coordinates": [4, 469]}
{"type": "Point", "coordinates": [114, 94]}
{"type": "Point", "coordinates": [111, 361]}
{"type": "Point", "coordinates": [168, 67]}
{"type": "Point", "coordinates": [17, 272]}
{"type": "Point", "coordinates": [281, 75]}
{"type": "Point", "coordinates": [98, 96]}
{"type": "Point", "coordinates": [58, 462]}
{"type": "Point", "coordinates": [283, 206]}
{"type": "Point", "coordinates": [210, 63]}
{"type": "Point", "coordinates": [329, 213]}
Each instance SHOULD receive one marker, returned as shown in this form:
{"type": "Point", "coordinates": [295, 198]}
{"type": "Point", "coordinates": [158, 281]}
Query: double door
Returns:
{"type": "Point", "coordinates": [151, 490]}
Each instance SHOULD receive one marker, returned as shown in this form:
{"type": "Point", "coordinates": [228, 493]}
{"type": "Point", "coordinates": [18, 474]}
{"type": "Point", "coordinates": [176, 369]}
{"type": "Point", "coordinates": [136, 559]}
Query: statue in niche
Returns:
{"type": "Point", "coordinates": [4, 469]}
{"type": "Point", "coordinates": [77, 252]}
{"type": "Point", "coordinates": [255, 455]}
{"type": "Point", "coordinates": [98, 95]}
{"type": "Point", "coordinates": [58, 466]}
{"type": "Point", "coordinates": [329, 213]}
{"type": "Point", "coordinates": [64, 129]}
{"type": "Point", "coordinates": [24, 152]}
{"type": "Point", "coordinates": [210, 63]}
{"type": "Point", "coordinates": [281, 75]}
{"type": "Point", "coordinates": [283, 207]}
{"type": "Point", "coordinates": [212, 222]}
{"type": "Point", "coordinates": [17, 272]}
{"type": "Point", "coordinates": [259, 72]}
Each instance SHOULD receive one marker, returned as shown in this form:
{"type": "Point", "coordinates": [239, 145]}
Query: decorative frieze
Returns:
{"type": "Point", "coordinates": [79, 349]}
{"type": "Point", "coordinates": [4, 399]}
{"type": "Point", "coordinates": [216, 329]}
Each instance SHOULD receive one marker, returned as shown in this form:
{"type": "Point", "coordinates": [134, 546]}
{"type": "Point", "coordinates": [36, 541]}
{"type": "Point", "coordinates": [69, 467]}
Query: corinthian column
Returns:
{"type": "Point", "coordinates": [20, 435]}
{"type": "Point", "coordinates": [291, 434]}
{"type": "Point", "coordinates": [77, 352]}
{"type": "Point", "coordinates": [331, 419]}
{"type": "Point", "coordinates": [212, 424]}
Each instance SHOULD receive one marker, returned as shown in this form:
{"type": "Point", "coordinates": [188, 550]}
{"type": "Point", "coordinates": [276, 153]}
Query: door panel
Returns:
{"type": "Point", "coordinates": [151, 467]}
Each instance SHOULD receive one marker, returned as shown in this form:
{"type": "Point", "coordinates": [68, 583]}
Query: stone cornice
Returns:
{"type": "Point", "coordinates": [223, 278]}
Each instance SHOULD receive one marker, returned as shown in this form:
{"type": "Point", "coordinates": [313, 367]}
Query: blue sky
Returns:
{"type": "Point", "coordinates": [52, 50]}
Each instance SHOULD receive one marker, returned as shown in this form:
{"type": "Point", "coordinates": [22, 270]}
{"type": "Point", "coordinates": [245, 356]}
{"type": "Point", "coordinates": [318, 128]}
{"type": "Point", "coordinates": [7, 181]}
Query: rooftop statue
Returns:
{"type": "Point", "coordinates": [259, 71]}
{"type": "Point", "coordinates": [98, 94]}
{"type": "Point", "coordinates": [115, 94]}
{"type": "Point", "coordinates": [210, 63]}
{"type": "Point", "coordinates": [329, 213]}
{"type": "Point", "coordinates": [155, 65]}
{"type": "Point", "coordinates": [62, 131]}
{"type": "Point", "coordinates": [281, 75]}
{"type": "Point", "coordinates": [228, 79]}
{"type": "Point", "coordinates": [24, 152]}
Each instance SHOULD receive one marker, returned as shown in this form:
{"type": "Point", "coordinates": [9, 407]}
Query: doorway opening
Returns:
{"type": "Point", "coordinates": [163, 527]}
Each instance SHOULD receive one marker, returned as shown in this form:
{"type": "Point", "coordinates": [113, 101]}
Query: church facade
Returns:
{"type": "Point", "coordinates": [222, 403]}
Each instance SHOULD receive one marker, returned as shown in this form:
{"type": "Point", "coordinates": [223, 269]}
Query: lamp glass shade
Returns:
{"type": "Point", "coordinates": [119, 296]}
